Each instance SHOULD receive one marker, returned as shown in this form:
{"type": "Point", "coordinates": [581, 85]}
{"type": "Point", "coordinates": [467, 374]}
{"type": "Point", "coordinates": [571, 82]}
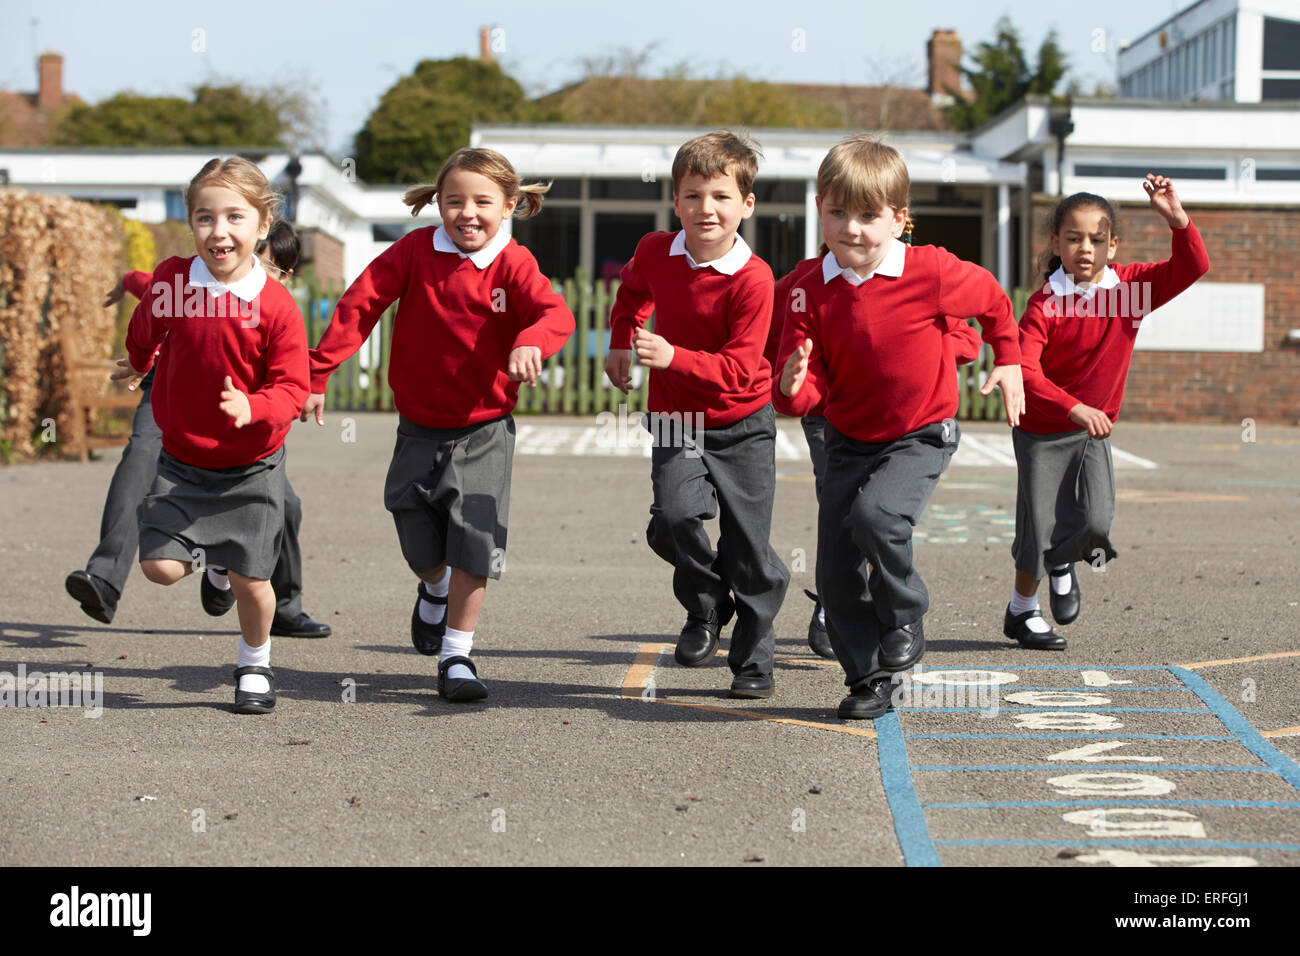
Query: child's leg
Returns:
{"type": "Point", "coordinates": [255, 604]}
{"type": "Point", "coordinates": [683, 501]}
{"type": "Point", "coordinates": [165, 570]}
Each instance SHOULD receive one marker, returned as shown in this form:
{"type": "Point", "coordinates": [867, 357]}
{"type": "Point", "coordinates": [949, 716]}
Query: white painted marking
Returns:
{"type": "Point", "coordinates": [1137, 822]}
{"type": "Point", "coordinates": [787, 450]}
{"type": "Point", "coordinates": [1132, 458]}
{"type": "Point", "coordinates": [986, 447]}
{"type": "Point", "coordinates": [1101, 679]}
{"type": "Point", "coordinates": [962, 678]}
{"type": "Point", "coordinates": [1115, 857]}
{"type": "Point", "coordinates": [1095, 753]}
{"type": "Point", "coordinates": [1057, 698]}
{"type": "Point", "coordinates": [1066, 720]}
{"type": "Point", "coordinates": [1113, 784]}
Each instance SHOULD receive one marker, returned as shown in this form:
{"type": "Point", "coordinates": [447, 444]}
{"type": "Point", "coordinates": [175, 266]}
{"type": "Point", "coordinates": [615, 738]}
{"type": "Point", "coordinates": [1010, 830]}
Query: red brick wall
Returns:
{"type": "Point", "coordinates": [1245, 244]}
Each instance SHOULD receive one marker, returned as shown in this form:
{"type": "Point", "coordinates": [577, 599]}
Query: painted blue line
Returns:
{"type": "Point", "coordinates": [909, 819]}
{"type": "Point", "coordinates": [1248, 735]}
{"type": "Point", "coordinates": [1236, 804]}
{"type": "Point", "coordinates": [1039, 710]}
{"type": "Point", "coordinates": [1064, 667]}
{"type": "Point", "coordinates": [1071, 689]}
{"type": "Point", "coordinates": [1097, 768]}
{"type": "Point", "coordinates": [1062, 737]}
{"type": "Point", "coordinates": [1202, 844]}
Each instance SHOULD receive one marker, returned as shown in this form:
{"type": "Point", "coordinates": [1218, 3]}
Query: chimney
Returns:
{"type": "Point", "coordinates": [943, 53]}
{"type": "Point", "coordinates": [485, 45]}
{"type": "Point", "coordinates": [49, 94]}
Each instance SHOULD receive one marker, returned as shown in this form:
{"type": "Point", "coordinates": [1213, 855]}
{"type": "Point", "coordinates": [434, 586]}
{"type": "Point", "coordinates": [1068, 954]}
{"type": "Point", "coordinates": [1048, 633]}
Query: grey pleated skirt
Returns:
{"type": "Point", "coordinates": [1065, 500]}
{"type": "Point", "coordinates": [229, 518]}
{"type": "Point", "coordinates": [449, 493]}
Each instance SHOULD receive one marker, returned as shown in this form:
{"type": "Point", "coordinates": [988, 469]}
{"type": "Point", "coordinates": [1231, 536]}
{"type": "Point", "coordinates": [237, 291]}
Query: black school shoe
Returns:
{"type": "Point", "coordinates": [752, 688]}
{"type": "Point", "coordinates": [459, 690]}
{"type": "Point", "coordinates": [901, 647]}
{"type": "Point", "coordinates": [300, 626]}
{"type": "Point", "coordinates": [214, 600]}
{"type": "Point", "coordinates": [95, 595]}
{"type": "Point", "coordinates": [1065, 607]}
{"type": "Point", "coordinates": [1017, 628]}
{"type": "Point", "coordinates": [699, 638]}
{"type": "Point", "coordinates": [868, 700]}
{"type": "Point", "coordinates": [818, 639]}
{"type": "Point", "coordinates": [246, 702]}
{"type": "Point", "coordinates": [427, 638]}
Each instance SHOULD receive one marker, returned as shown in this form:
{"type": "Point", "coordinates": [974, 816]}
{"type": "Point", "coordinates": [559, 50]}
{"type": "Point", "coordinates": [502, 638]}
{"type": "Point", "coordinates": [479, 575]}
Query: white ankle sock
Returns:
{"type": "Point", "coordinates": [1060, 578]}
{"type": "Point", "coordinates": [219, 579]}
{"type": "Point", "coordinates": [431, 613]}
{"type": "Point", "coordinates": [457, 644]}
{"type": "Point", "coordinates": [254, 657]}
{"type": "Point", "coordinates": [1020, 604]}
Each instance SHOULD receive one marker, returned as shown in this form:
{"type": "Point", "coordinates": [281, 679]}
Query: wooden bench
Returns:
{"type": "Point", "coordinates": [87, 396]}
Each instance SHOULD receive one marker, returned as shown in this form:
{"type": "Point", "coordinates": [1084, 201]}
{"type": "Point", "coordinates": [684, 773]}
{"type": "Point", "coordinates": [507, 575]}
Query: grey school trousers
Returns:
{"type": "Point", "coordinates": [119, 529]}
{"type": "Point", "coordinates": [728, 472]}
{"type": "Point", "coordinates": [873, 496]}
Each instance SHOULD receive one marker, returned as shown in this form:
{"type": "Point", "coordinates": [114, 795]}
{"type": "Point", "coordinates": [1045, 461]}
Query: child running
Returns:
{"type": "Point", "coordinates": [1076, 342]}
{"type": "Point", "coordinates": [961, 338]}
{"type": "Point", "coordinates": [710, 406]}
{"type": "Point", "coordinates": [231, 353]}
{"type": "Point", "coordinates": [476, 318]}
{"type": "Point", "coordinates": [865, 332]}
{"type": "Point", "coordinates": [98, 588]}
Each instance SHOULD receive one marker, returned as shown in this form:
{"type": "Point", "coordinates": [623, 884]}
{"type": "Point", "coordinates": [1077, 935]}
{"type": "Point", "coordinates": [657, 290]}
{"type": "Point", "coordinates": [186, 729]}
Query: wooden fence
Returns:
{"type": "Point", "coordinates": [573, 381]}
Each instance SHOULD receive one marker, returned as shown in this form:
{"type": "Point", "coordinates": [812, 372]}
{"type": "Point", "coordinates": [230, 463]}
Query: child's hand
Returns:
{"type": "Point", "coordinates": [796, 369]}
{"type": "Point", "coordinates": [315, 403]}
{"type": "Point", "coordinates": [1094, 419]}
{"type": "Point", "coordinates": [525, 364]}
{"type": "Point", "coordinates": [115, 294]}
{"type": "Point", "coordinates": [235, 404]}
{"type": "Point", "coordinates": [652, 351]}
{"type": "Point", "coordinates": [1160, 190]}
{"type": "Point", "coordinates": [127, 374]}
{"type": "Point", "coordinates": [1012, 383]}
{"type": "Point", "coordinates": [618, 366]}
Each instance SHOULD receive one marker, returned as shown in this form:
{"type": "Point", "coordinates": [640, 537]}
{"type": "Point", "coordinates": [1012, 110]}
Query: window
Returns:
{"type": "Point", "coordinates": [1107, 171]}
{"type": "Point", "coordinates": [113, 201]}
{"type": "Point", "coordinates": [1280, 90]}
{"type": "Point", "coordinates": [1276, 175]}
{"type": "Point", "coordinates": [1211, 54]}
{"type": "Point", "coordinates": [779, 190]}
{"type": "Point", "coordinates": [387, 231]}
{"type": "Point", "coordinates": [563, 188]}
{"type": "Point", "coordinates": [1281, 44]}
{"type": "Point", "coordinates": [174, 204]}
{"type": "Point", "coordinates": [623, 189]}
{"type": "Point", "coordinates": [553, 238]}
{"type": "Point", "coordinates": [1193, 67]}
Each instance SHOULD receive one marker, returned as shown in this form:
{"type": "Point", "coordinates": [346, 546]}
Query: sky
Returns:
{"type": "Point", "coordinates": [349, 53]}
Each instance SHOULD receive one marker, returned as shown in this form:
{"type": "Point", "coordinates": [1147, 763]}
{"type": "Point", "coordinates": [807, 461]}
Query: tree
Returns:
{"type": "Point", "coordinates": [1001, 76]}
{"type": "Point", "coordinates": [426, 116]}
{"type": "Point", "coordinates": [219, 115]}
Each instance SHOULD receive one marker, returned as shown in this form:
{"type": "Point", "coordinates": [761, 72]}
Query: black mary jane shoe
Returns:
{"type": "Point", "coordinates": [1017, 628]}
{"type": "Point", "coordinates": [459, 690]}
{"type": "Point", "coordinates": [94, 595]}
{"type": "Point", "coordinates": [427, 638]}
{"type": "Point", "coordinates": [1065, 607]}
{"type": "Point", "coordinates": [901, 647]}
{"type": "Point", "coordinates": [214, 600]}
{"type": "Point", "coordinates": [752, 688]}
{"type": "Point", "coordinates": [699, 638]}
{"type": "Point", "coordinates": [300, 626]}
{"type": "Point", "coordinates": [868, 700]}
{"type": "Point", "coordinates": [247, 702]}
{"type": "Point", "coordinates": [818, 638]}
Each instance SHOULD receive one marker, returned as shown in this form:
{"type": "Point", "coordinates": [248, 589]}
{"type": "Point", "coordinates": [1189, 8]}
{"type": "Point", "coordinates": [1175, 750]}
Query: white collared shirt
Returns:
{"type": "Point", "coordinates": [890, 265]}
{"type": "Point", "coordinates": [247, 288]}
{"type": "Point", "coordinates": [728, 264]}
{"type": "Point", "coordinates": [1062, 283]}
{"type": "Point", "coordinates": [442, 242]}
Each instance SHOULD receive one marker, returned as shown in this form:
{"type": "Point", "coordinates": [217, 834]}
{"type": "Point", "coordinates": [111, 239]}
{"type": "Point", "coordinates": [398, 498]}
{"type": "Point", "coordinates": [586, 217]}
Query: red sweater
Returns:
{"type": "Point", "coordinates": [879, 359]}
{"type": "Point", "coordinates": [261, 345]}
{"type": "Point", "coordinates": [962, 340]}
{"type": "Point", "coordinates": [716, 323]}
{"type": "Point", "coordinates": [455, 328]}
{"type": "Point", "coordinates": [136, 282]}
{"type": "Point", "coordinates": [1078, 350]}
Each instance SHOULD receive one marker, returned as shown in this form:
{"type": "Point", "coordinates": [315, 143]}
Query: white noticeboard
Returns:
{"type": "Point", "coordinates": [1208, 317]}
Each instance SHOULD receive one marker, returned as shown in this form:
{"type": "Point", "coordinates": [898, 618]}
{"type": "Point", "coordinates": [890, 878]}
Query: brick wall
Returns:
{"type": "Point", "coordinates": [1245, 244]}
{"type": "Point", "coordinates": [324, 253]}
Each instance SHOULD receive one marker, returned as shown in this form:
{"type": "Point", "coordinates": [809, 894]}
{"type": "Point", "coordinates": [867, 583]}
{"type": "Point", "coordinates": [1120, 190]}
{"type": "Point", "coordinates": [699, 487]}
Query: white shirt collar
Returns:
{"type": "Point", "coordinates": [728, 264]}
{"type": "Point", "coordinates": [1062, 283]}
{"type": "Point", "coordinates": [483, 258]}
{"type": "Point", "coordinates": [891, 265]}
{"type": "Point", "coordinates": [247, 288]}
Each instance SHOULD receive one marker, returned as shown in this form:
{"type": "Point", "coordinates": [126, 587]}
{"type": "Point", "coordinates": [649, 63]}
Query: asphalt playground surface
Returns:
{"type": "Point", "coordinates": [1169, 729]}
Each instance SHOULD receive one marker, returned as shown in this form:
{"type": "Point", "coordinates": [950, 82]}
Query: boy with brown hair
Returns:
{"type": "Point", "coordinates": [710, 407]}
